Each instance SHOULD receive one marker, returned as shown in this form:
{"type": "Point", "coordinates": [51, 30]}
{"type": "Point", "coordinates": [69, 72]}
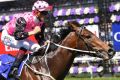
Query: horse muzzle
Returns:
{"type": "Point", "coordinates": [102, 55]}
{"type": "Point", "coordinates": [111, 53]}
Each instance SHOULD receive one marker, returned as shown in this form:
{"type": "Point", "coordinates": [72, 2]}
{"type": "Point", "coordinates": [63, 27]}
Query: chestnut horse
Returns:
{"type": "Point", "coordinates": [56, 63]}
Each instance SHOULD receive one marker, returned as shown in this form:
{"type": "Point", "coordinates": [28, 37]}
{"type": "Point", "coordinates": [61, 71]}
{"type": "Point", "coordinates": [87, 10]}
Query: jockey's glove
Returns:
{"type": "Point", "coordinates": [20, 35]}
{"type": "Point", "coordinates": [46, 42]}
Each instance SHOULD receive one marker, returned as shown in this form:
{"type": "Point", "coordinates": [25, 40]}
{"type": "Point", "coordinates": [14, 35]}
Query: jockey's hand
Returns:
{"type": "Point", "coordinates": [46, 42]}
{"type": "Point", "coordinates": [20, 35]}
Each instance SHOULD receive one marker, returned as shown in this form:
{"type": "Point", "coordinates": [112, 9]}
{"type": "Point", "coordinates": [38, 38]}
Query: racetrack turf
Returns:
{"type": "Point", "coordinates": [96, 78]}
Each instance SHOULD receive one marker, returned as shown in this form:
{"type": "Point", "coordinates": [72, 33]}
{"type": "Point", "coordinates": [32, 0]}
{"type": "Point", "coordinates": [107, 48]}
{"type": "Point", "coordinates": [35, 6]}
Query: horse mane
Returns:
{"type": "Point", "coordinates": [75, 23]}
{"type": "Point", "coordinates": [57, 37]}
{"type": "Point", "coordinates": [64, 32]}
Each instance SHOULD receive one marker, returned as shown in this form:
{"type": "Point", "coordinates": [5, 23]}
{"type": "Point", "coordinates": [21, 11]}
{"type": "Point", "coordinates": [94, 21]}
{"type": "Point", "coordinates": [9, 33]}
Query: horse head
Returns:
{"type": "Point", "coordinates": [102, 49]}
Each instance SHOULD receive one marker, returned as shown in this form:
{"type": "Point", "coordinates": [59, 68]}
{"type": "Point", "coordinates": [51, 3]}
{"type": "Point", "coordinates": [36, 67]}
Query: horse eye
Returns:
{"type": "Point", "coordinates": [88, 36]}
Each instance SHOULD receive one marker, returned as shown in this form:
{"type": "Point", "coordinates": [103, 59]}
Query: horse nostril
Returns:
{"type": "Point", "coordinates": [111, 53]}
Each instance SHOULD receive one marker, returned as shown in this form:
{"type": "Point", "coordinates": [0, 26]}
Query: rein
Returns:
{"type": "Point", "coordinates": [58, 45]}
{"type": "Point", "coordinates": [72, 49]}
{"type": "Point", "coordinates": [42, 73]}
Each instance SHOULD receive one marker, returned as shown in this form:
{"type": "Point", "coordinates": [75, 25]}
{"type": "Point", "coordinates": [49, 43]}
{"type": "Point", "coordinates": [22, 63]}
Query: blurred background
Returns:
{"type": "Point", "coordinates": [102, 17]}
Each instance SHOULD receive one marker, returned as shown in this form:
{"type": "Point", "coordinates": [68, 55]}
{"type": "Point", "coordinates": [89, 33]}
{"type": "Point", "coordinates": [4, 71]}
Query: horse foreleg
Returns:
{"type": "Point", "coordinates": [27, 74]}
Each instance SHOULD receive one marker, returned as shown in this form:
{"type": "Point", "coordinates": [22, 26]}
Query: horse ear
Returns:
{"type": "Point", "coordinates": [72, 25]}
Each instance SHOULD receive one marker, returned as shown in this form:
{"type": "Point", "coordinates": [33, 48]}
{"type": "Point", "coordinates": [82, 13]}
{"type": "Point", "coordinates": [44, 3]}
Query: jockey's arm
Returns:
{"type": "Point", "coordinates": [35, 31]}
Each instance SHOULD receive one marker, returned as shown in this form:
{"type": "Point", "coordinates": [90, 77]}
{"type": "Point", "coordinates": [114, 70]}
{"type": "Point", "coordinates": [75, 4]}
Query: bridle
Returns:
{"type": "Point", "coordinates": [89, 48]}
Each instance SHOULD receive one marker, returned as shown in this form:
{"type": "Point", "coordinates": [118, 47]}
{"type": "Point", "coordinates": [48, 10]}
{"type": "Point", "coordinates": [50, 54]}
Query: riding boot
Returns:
{"type": "Point", "coordinates": [19, 58]}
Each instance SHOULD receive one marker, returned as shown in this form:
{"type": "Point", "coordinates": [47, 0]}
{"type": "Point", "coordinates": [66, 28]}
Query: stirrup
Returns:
{"type": "Point", "coordinates": [13, 72]}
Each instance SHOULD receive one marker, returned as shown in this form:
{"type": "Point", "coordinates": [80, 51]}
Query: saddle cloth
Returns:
{"type": "Point", "coordinates": [6, 62]}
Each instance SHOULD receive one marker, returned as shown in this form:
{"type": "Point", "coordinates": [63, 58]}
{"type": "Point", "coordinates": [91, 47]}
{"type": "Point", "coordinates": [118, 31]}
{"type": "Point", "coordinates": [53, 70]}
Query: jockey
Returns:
{"type": "Point", "coordinates": [16, 32]}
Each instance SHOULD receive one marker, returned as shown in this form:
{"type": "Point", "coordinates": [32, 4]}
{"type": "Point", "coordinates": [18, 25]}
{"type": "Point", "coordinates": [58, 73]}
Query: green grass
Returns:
{"type": "Point", "coordinates": [87, 76]}
{"type": "Point", "coordinates": [96, 78]}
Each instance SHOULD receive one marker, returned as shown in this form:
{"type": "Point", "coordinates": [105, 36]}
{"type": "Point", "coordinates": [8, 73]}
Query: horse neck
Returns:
{"type": "Point", "coordinates": [70, 40]}
{"type": "Point", "coordinates": [60, 63]}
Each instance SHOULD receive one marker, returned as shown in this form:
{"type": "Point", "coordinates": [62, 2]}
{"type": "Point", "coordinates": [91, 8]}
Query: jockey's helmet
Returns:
{"type": "Point", "coordinates": [41, 6]}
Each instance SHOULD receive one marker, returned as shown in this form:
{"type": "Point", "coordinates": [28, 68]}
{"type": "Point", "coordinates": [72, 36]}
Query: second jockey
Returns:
{"type": "Point", "coordinates": [16, 32]}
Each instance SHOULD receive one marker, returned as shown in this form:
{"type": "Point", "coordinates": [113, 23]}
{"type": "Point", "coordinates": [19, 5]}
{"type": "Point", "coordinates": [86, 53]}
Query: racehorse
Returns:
{"type": "Point", "coordinates": [55, 64]}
